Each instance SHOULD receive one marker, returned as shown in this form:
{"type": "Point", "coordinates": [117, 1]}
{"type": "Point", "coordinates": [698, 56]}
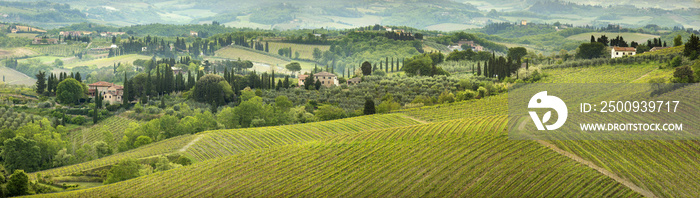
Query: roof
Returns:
{"type": "Point", "coordinates": [625, 49]}
{"type": "Point", "coordinates": [323, 74]}
{"type": "Point", "coordinates": [658, 48]}
{"type": "Point", "coordinates": [101, 84]}
{"type": "Point", "coordinates": [355, 79]}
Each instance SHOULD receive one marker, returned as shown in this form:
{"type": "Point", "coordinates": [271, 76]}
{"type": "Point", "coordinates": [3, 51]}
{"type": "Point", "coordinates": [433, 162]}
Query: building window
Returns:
{"type": "Point", "coordinates": [617, 53]}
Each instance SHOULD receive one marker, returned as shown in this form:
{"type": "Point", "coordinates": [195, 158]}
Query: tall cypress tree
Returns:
{"type": "Point", "coordinates": [125, 95]}
{"type": "Point", "coordinates": [386, 62]}
{"type": "Point", "coordinates": [40, 82]}
{"type": "Point", "coordinates": [478, 68]}
{"type": "Point", "coordinates": [98, 103]}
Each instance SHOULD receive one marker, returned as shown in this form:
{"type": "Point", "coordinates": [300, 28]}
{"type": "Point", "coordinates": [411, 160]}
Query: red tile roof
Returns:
{"type": "Point", "coordinates": [625, 49]}
{"type": "Point", "coordinates": [101, 84]}
{"type": "Point", "coordinates": [323, 74]}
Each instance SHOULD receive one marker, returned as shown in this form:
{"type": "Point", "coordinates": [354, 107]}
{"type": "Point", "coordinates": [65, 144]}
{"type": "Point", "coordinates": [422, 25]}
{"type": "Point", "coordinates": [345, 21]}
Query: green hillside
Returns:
{"type": "Point", "coordinates": [211, 144]}
{"type": "Point", "coordinates": [456, 158]}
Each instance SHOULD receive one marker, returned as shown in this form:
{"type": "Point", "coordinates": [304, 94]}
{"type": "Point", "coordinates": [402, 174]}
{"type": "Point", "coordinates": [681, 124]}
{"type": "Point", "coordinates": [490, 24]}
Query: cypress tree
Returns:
{"type": "Point", "coordinates": [147, 87]}
{"type": "Point", "coordinates": [40, 82]}
{"type": "Point", "coordinates": [125, 95]}
{"type": "Point", "coordinates": [478, 68]}
{"type": "Point", "coordinates": [77, 77]}
{"type": "Point", "coordinates": [98, 103]}
{"type": "Point", "coordinates": [369, 107]}
{"type": "Point", "coordinates": [286, 82]}
{"type": "Point", "coordinates": [386, 62]}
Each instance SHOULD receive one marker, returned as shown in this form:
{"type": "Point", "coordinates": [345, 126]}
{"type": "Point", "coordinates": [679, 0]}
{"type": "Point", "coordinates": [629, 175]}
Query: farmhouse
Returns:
{"type": "Point", "coordinates": [617, 52]}
{"type": "Point", "coordinates": [109, 91]}
{"type": "Point", "coordinates": [193, 33]}
{"type": "Point", "coordinates": [327, 79]}
{"type": "Point", "coordinates": [177, 70]}
{"type": "Point", "coordinates": [39, 40]}
{"type": "Point", "coordinates": [353, 81]}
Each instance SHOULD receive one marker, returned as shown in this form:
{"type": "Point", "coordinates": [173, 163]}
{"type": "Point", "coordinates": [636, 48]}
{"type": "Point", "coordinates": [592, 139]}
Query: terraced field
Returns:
{"type": "Point", "coordinates": [458, 158]}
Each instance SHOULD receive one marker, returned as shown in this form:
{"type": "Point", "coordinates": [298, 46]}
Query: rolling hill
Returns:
{"type": "Point", "coordinates": [456, 158]}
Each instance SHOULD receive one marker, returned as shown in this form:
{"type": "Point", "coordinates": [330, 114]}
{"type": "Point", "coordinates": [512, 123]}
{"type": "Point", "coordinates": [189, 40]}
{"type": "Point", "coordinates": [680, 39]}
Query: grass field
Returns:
{"type": "Point", "coordinates": [23, 35]}
{"type": "Point", "coordinates": [305, 51]}
{"type": "Point", "coordinates": [458, 158]}
{"type": "Point", "coordinates": [629, 37]}
{"type": "Point", "coordinates": [105, 62]}
{"type": "Point", "coordinates": [14, 77]}
{"type": "Point", "coordinates": [234, 52]}
{"type": "Point", "coordinates": [16, 52]}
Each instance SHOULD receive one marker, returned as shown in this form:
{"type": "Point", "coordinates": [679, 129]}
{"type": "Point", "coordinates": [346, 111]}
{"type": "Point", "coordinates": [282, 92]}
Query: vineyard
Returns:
{"type": "Point", "coordinates": [114, 124]}
{"type": "Point", "coordinates": [600, 74]}
{"type": "Point", "coordinates": [458, 158]}
{"type": "Point", "coordinates": [214, 144]}
{"type": "Point", "coordinates": [60, 50]}
{"type": "Point", "coordinates": [491, 105]}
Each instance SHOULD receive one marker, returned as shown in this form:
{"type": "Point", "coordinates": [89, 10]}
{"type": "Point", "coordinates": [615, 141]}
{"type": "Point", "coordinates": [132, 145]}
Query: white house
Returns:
{"type": "Point", "coordinates": [617, 52]}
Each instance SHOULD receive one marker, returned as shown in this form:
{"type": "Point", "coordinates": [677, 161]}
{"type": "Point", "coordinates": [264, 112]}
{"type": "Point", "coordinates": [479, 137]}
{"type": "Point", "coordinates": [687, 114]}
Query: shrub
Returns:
{"type": "Point", "coordinates": [676, 61]}
{"type": "Point", "coordinates": [482, 92]}
{"type": "Point", "coordinates": [466, 95]}
{"type": "Point", "coordinates": [138, 108]}
{"type": "Point", "coordinates": [79, 120]}
{"type": "Point", "coordinates": [446, 97]}
{"type": "Point", "coordinates": [123, 170]}
{"type": "Point", "coordinates": [18, 184]}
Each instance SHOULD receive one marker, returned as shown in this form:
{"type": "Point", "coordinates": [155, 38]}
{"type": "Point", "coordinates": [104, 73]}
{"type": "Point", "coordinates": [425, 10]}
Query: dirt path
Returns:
{"type": "Point", "coordinates": [592, 165]}
{"type": "Point", "coordinates": [415, 119]}
{"type": "Point", "coordinates": [605, 172]}
{"type": "Point", "coordinates": [183, 149]}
